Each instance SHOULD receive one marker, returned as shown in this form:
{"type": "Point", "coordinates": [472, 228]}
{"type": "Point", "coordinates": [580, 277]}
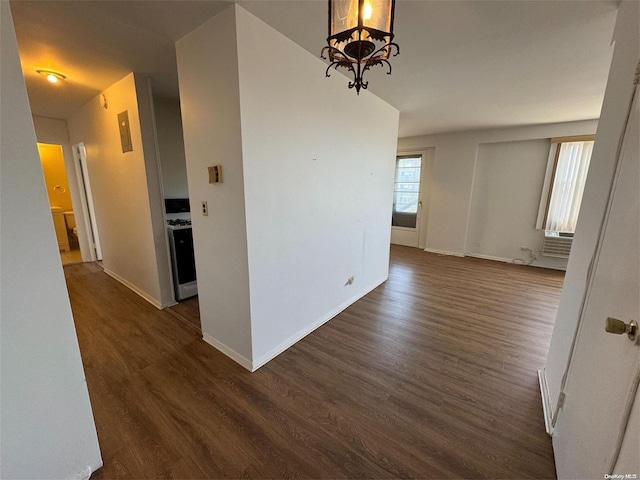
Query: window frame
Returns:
{"type": "Point", "coordinates": [394, 213]}
{"type": "Point", "coordinates": [550, 176]}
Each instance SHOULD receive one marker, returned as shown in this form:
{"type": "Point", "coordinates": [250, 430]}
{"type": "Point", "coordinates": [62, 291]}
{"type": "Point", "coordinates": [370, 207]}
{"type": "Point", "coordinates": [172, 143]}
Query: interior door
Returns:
{"type": "Point", "coordinates": [597, 429]}
{"type": "Point", "coordinates": [80, 159]}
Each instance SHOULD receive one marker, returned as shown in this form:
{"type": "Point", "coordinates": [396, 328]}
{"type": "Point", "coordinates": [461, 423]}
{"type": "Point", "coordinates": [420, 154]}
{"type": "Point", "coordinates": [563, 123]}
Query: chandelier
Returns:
{"type": "Point", "coordinates": [360, 36]}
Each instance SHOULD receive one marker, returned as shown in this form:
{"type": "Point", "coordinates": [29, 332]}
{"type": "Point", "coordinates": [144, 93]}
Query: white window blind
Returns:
{"type": "Point", "coordinates": [568, 186]}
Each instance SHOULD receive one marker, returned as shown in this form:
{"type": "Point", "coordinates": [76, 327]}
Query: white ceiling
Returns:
{"type": "Point", "coordinates": [463, 64]}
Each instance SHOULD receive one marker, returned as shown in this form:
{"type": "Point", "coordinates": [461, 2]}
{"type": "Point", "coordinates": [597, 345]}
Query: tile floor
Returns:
{"type": "Point", "coordinates": [72, 256]}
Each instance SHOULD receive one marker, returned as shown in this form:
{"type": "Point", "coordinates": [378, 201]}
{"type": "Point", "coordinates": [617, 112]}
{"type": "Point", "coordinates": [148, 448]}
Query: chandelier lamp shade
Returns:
{"type": "Point", "coordinates": [360, 36]}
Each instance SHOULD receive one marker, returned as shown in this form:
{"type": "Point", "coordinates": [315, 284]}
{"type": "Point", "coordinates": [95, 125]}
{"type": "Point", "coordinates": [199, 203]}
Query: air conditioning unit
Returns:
{"type": "Point", "coordinates": [557, 244]}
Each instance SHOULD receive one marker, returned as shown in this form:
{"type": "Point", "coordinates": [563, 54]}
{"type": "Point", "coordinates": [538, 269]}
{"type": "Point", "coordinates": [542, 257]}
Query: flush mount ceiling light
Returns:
{"type": "Point", "coordinates": [51, 76]}
{"type": "Point", "coordinates": [360, 36]}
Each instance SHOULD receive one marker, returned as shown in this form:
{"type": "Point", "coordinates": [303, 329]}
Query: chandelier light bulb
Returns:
{"type": "Point", "coordinates": [51, 76]}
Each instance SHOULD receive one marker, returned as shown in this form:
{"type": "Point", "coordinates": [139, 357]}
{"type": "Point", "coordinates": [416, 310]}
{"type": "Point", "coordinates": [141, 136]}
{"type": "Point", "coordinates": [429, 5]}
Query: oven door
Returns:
{"type": "Point", "coordinates": [183, 262]}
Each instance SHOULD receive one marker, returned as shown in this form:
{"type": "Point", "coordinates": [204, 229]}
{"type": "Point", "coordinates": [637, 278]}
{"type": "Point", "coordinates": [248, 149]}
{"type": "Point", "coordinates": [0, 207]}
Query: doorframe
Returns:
{"type": "Point", "coordinates": [426, 170]}
{"type": "Point", "coordinates": [88, 211]}
{"type": "Point", "coordinates": [551, 417]}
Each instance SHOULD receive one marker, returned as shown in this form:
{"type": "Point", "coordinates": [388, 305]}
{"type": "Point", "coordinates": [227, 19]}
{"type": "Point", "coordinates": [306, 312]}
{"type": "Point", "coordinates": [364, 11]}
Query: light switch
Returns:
{"type": "Point", "coordinates": [205, 209]}
{"type": "Point", "coordinates": [215, 174]}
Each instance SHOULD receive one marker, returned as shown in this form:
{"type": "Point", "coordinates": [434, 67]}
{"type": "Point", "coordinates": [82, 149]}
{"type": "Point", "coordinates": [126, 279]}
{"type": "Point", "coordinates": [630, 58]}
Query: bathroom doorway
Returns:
{"type": "Point", "coordinates": [62, 211]}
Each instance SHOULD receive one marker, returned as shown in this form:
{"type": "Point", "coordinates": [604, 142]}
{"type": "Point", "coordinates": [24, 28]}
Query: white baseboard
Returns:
{"type": "Point", "coordinates": [274, 352]}
{"type": "Point", "coordinates": [252, 366]}
{"type": "Point", "coordinates": [546, 401]}
{"type": "Point", "coordinates": [444, 252]}
{"type": "Point", "coordinates": [131, 286]}
{"type": "Point", "coordinates": [489, 257]}
{"type": "Point", "coordinates": [509, 260]}
{"type": "Point", "coordinates": [229, 352]}
{"type": "Point", "coordinates": [83, 474]}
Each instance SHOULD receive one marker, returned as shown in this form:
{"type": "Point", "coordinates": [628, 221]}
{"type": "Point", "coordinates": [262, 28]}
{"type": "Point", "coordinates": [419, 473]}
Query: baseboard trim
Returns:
{"type": "Point", "coordinates": [84, 474]}
{"type": "Point", "coordinates": [509, 260]}
{"type": "Point", "coordinates": [444, 252]}
{"type": "Point", "coordinates": [229, 352]}
{"type": "Point", "coordinates": [131, 286]}
{"type": "Point", "coordinates": [274, 352]}
{"type": "Point", "coordinates": [489, 257]}
{"type": "Point", "coordinates": [546, 401]}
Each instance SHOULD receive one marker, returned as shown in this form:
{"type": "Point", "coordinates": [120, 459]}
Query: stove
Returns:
{"type": "Point", "coordinates": [181, 246]}
{"type": "Point", "coordinates": [178, 224]}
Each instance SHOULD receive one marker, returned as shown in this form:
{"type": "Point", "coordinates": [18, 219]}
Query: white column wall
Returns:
{"type": "Point", "coordinates": [307, 193]}
{"type": "Point", "coordinates": [319, 165]}
{"type": "Point", "coordinates": [47, 423]}
{"type": "Point", "coordinates": [210, 103]}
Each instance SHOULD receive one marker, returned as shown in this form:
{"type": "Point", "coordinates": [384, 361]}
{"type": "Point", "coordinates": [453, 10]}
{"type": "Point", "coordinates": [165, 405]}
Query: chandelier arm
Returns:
{"type": "Point", "coordinates": [385, 48]}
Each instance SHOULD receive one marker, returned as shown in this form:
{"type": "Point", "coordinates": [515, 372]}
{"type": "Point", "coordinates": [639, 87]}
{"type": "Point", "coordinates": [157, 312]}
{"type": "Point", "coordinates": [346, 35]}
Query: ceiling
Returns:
{"type": "Point", "coordinates": [463, 64]}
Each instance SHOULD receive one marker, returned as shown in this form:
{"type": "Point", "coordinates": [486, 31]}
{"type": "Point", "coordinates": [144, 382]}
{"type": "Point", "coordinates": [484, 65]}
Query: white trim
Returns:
{"type": "Point", "coordinates": [444, 252]}
{"type": "Point", "coordinates": [404, 229]}
{"type": "Point", "coordinates": [546, 401]}
{"type": "Point", "coordinates": [84, 474]}
{"type": "Point", "coordinates": [274, 352]}
{"type": "Point", "coordinates": [510, 260]}
{"type": "Point", "coordinates": [131, 286]}
{"type": "Point", "coordinates": [546, 186]}
{"type": "Point", "coordinates": [488, 257]}
{"type": "Point", "coordinates": [229, 352]}
{"type": "Point", "coordinates": [156, 146]}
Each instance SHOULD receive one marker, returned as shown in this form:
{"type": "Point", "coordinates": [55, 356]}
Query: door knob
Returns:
{"type": "Point", "coordinates": [613, 325]}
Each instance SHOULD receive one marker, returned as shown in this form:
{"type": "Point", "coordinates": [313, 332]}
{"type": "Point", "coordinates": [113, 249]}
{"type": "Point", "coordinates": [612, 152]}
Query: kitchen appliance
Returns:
{"type": "Point", "coordinates": [181, 246]}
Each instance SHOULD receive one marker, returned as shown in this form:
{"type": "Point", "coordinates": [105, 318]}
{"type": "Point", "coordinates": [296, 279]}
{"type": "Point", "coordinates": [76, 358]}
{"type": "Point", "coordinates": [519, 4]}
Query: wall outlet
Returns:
{"type": "Point", "coordinates": [205, 209]}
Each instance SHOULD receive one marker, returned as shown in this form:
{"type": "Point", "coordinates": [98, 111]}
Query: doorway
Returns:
{"type": "Point", "coordinates": [410, 198]}
{"type": "Point", "coordinates": [62, 211]}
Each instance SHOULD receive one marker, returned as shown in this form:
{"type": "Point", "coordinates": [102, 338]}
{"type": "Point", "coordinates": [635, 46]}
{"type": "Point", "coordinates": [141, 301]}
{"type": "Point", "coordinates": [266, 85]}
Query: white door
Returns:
{"type": "Point", "coordinates": [407, 200]}
{"type": "Point", "coordinates": [80, 159]}
{"type": "Point", "coordinates": [597, 430]}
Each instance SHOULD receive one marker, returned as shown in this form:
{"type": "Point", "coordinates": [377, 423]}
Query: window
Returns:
{"type": "Point", "coordinates": [567, 181]}
{"type": "Point", "coordinates": [406, 191]}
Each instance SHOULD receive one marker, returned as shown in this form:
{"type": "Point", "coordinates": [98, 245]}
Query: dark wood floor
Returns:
{"type": "Point", "coordinates": [432, 375]}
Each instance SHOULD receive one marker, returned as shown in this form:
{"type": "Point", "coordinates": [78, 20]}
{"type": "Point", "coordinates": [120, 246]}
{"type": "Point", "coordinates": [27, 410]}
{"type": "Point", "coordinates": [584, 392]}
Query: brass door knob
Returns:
{"type": "Point", "coordinates": [613, 325]}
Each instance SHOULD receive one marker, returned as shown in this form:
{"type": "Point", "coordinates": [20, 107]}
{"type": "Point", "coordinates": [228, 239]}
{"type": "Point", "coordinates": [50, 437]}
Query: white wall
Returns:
{"type": "Point", "coordinates": [55, 131]}
{"type": "Point", "coordinates": [306, 199]}
{"type": "Point", "coordinates": [318, 190]}
{"type": "Point", "coordinates": [47, 424]}
{"type": "Point", "coordinates": [171, 147]}
{"type": "Point", "coordinates": [508, 181]}
{"type": "Point", "coordinates": [210, 102]}
{"type": "Point", "coordinates": [455, 160]}
{"type": "Point", "coordinates": [126, 189]}
{"type": "Point", "coordinates": [146, 117]}
{"type": "Point", "coordinates": [614, 111]}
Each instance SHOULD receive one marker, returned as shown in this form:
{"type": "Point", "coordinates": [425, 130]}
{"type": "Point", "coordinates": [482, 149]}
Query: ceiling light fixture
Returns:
{"type": "Point", "coordinates": [360, 36]}
{"type": "Point", "coordinates": [51, 76]}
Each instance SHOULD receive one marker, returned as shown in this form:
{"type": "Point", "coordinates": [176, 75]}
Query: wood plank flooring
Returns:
{"type": "Point", "coordinates": [432, 375]}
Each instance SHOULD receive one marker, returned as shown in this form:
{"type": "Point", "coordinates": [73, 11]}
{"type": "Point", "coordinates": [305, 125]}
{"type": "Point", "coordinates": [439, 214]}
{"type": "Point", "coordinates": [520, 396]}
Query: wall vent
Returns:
{"type": "Point", "coordinates": [557, 244]}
